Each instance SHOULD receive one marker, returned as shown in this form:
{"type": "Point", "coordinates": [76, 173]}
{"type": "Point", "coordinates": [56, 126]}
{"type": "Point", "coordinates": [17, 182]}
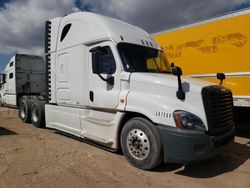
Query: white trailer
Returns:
{"type": "Point", "coordinates": [109, 82]}
{"type": "Point", "coordinates": [23, 75]}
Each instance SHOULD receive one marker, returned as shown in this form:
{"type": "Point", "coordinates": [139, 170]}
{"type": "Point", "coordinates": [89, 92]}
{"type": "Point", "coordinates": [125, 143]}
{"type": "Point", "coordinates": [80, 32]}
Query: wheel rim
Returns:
{"type": "Point", "coordinates": [22, 112]}
{"type": "Point", "coordinates": [34, 115]}
{"type": "Point", "coordinates": [138, 144]}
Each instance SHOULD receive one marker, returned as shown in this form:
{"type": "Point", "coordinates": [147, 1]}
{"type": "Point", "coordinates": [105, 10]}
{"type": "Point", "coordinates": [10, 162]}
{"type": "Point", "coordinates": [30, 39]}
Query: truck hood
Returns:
{"type": "Point", "coordinates": [154, 93]}
{"type": "Point", "coordinates": [169, 81]}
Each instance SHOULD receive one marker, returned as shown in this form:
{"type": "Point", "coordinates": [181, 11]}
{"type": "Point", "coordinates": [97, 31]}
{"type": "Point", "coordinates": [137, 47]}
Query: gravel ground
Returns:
{"type": "Point", "coordinates": [31, 157]}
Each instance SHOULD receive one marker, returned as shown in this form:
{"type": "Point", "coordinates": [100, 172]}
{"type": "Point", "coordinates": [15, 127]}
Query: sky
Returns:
{"type": "Point", "coordinates": [22, 21]}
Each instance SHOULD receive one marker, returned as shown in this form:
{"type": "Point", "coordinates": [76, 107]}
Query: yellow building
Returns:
{"type": "Point", "coordinates": [221, 44]}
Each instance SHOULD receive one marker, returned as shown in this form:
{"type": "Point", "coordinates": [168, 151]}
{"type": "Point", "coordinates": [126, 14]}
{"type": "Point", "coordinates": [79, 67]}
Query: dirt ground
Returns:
{"type": "Point", "coordinates": [31, 157]}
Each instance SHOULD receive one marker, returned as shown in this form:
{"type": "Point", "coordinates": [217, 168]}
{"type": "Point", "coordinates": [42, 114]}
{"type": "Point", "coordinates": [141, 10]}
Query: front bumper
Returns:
{"type": "Point", "coordinates": [184, 146]}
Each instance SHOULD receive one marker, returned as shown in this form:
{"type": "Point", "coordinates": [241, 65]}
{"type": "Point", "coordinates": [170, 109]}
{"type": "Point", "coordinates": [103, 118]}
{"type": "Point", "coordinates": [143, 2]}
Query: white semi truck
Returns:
{"type": "Point", "coordinates": [109, 82]}
{"type": "Point", "coordinates": [24, 75]}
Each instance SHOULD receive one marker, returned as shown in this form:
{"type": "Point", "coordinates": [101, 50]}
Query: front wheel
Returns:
{"type": "Point", "coordinates": [141, 144]}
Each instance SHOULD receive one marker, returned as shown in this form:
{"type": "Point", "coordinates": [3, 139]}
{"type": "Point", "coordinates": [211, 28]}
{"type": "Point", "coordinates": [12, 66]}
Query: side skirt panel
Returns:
{"type": "Point", "coordinates": [99, 126]}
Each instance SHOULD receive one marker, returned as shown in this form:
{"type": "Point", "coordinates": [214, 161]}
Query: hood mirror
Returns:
{"type": "Point", "coordinates": [221, 77]}
{"type": "Point", "coordinates": [177, 71]}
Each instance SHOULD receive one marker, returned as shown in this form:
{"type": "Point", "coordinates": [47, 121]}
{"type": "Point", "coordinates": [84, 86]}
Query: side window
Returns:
{"type": "Point", "coordinates": [107, 61]}
{"type": "Point", "coordinates": [10, 75]}
{"type": "Point", "coordinates": [11, 64]}
{"type": "Point", "coordinates": [65, 31]}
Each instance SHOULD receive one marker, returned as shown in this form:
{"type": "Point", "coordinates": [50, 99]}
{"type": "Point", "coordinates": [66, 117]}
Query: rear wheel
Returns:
{"type": "Point", "coordinates": [24, 111]}
{"type": "Point", "coordinates": [37, 115]}
{"type": "Point", "coordinates": [141, 144]}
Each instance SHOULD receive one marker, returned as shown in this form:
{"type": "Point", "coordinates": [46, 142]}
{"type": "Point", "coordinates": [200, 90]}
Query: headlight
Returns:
{"type": "Point", "coordinates": [188, 120]}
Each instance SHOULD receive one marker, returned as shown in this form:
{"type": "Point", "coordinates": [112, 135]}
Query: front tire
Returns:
{"type": "Point", "coordinates": [24, 111]}
{"type": "Point", "coordinates": [37, 115]}
{"type": "Point", "coordinates": [141, 144]}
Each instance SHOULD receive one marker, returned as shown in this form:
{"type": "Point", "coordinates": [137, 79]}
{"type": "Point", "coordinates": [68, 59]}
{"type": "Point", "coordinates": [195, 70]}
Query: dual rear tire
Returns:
{"type": "Point", "coordinates": [24, 111]}
{"type": "Point", "coordinates": [32, 112]}
{"type": "Point", "coordinates": [37, 115]}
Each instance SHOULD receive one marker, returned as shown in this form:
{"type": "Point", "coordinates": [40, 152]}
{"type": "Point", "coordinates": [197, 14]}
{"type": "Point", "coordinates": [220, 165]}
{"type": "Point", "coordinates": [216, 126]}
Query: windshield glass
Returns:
{"type": "Point", "coordinates": [138, 58]}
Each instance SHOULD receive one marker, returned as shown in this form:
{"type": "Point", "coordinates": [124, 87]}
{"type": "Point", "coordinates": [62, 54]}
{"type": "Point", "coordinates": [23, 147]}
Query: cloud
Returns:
{"type": "Point", "coordinates": [156, 15]}
{"type": "Point", "coordinates": [22, 23]}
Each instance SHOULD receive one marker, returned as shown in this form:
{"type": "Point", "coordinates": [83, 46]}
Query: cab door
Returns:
{"type": "Point", "coordinates": [104, 86]}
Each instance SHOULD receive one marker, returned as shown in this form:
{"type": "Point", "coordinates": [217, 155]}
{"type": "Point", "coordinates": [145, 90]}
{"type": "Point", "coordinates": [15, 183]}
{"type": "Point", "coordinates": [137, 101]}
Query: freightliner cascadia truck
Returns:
{"type": "Point", "coordinates": [24, 75]}
{"type": "Point", "coordinates": [220, 44]}
{"type": "Point", "coordinates": [109, 82]}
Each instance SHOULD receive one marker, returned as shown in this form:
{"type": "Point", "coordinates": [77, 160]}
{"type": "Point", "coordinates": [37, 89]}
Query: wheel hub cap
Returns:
{"type": "Point", "coordinates": [138, 144]}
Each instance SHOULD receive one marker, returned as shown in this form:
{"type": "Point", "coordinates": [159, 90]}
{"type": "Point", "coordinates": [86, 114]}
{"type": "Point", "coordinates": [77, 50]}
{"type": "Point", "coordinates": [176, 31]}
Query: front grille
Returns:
{"type": "Point", "coordinates": [218, 104]}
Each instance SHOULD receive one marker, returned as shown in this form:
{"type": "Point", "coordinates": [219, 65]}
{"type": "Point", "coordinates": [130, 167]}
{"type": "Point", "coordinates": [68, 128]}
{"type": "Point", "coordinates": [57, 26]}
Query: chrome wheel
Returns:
{"type": "Point", "coordinates": [22, 111]}
{"type": "Point", "coordinates": [34, 115]}
{"type": "Point", "coordinates": [138, 144]}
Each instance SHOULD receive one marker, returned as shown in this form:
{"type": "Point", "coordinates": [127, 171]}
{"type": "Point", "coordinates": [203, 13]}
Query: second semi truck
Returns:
{"type": "Point", "coordinates": [24, 75]}
{"type": "Point", "coordinates": [109, 82]}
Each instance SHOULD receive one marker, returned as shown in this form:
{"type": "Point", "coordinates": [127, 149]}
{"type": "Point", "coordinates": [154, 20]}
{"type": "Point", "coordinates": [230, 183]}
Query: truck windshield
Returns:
{"type": "Point", "coordinates": [138, 58]}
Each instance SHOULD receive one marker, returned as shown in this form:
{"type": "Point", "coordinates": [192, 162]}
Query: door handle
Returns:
{"type": "Point", "coordinates": [91, 96]}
